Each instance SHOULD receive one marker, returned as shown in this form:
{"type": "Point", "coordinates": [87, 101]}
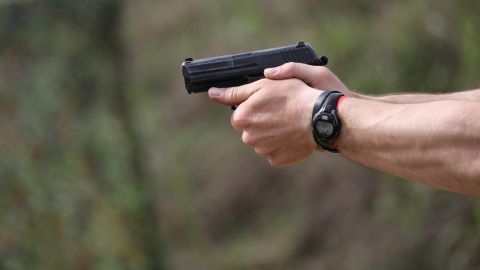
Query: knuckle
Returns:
{"type": "Point", "coordinates": [278, 160]}
{"type": "Point", "coordinates": [324, 73]}
{"type": "Point", "coordinates": [262, 151]}
{"type": "Point", "coordinates": [278, 163]}
{"type": "Point", "coordinates": [274, 162]}
{"type": "Point", "coordinates": [240, 119]}
{"type": "Point", "coordinates": [290, 67]}
{"type": "Point", "coordinates": [233, 93]}
{"type": "Point", "coordinates": [247, 138]}
{"type": "Point", "coordinates": [271, 161]}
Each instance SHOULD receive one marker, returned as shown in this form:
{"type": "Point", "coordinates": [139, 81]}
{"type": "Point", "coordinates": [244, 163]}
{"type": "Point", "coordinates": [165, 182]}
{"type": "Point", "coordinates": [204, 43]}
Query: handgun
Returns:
{"type": "Point", "coordinates": [239, 69]}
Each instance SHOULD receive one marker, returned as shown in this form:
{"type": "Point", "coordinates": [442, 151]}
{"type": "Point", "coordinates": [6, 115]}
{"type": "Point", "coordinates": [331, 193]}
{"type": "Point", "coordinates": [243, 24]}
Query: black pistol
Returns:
{"type": "Point", "coordinates": [240, 69]}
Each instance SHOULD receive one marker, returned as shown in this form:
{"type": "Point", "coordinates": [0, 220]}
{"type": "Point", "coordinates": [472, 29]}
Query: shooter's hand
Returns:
{"type": "Point", "coordinates": [275, 117]}
{"type": "Point", "coordinates": [318, 77]}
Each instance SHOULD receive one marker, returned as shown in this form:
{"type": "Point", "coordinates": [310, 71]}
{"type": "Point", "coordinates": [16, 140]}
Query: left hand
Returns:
{"type": "Point", "coordinates": [275, 117]}
{"type": "Point", "coordinates": [319, 77]}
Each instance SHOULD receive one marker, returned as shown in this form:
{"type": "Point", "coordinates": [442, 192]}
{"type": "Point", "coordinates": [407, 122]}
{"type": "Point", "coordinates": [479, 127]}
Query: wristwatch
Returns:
{"type": "Point", "coordinates": [325, 122]}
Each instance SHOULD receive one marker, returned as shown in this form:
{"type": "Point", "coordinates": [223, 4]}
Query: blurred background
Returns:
{"type": "Point", "coordinates": [107, 163]}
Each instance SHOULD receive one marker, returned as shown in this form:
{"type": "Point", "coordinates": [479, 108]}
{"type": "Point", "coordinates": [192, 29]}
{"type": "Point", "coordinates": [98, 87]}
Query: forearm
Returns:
{"type": "Point", "coordinates": [435, 143]}
{"type": "Point", "coordinates": [470, 95]}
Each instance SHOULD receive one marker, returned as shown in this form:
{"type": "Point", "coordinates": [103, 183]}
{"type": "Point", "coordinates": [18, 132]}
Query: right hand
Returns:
{"type": "Point", "coordinates": [318, 77]}
{"type": "Point", "coordinates": [275, 117]}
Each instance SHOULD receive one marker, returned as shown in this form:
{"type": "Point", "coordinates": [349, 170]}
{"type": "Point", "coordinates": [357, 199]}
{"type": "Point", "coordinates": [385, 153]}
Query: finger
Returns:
{"type": "Point", "coordinates": [280, 160]}
{"type": "Point", "coordinates": [290, 70]}
{"type": "Point", "coordinates": [248, 138]}
{"type": "Point", "coordinates": [264, 151]}
{"type": "Point", "coordinates": [234, 95]}
{"type": "Point", "coordinates": [241, 118]}
{"type": "Point", "coordinates": [233, 121]}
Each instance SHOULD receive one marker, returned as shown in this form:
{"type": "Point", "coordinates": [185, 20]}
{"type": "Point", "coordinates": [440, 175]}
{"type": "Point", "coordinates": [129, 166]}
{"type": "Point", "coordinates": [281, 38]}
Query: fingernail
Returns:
{"type": "Point", "coordinates": [215, 92]}
{"type": "Point", "coordinates": [270, 71]}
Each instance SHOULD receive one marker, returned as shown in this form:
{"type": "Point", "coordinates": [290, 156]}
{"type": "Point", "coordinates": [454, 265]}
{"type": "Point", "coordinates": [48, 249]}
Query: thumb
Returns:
{"type": "Point", "coordinates": [290, 70]}
{"type": "Point", "coordinates": [233, 95]}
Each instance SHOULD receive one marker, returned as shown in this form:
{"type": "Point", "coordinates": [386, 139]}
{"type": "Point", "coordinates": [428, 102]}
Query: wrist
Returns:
{"type": "Point", "coordinates": [343, 111]}
{"type": "Point", "coordinates": [340, 100]}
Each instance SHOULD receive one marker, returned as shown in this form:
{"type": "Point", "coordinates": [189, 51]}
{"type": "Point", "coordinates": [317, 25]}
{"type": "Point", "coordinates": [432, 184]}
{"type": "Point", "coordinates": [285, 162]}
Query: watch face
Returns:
{"type": "Point", "coordinates": [324, 129]}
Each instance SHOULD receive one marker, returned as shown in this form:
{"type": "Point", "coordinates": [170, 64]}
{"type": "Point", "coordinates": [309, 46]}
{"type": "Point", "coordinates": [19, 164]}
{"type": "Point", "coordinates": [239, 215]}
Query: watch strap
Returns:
{"type": "Point", "coordinates": [319, 102]}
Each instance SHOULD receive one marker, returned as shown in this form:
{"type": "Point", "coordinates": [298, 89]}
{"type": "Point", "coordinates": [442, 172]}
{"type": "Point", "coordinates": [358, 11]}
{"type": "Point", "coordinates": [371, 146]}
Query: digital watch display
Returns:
{"type": "Point", "coordinates": [324, 127]}
{"type": "Point", "coordinates": [325, 123]}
